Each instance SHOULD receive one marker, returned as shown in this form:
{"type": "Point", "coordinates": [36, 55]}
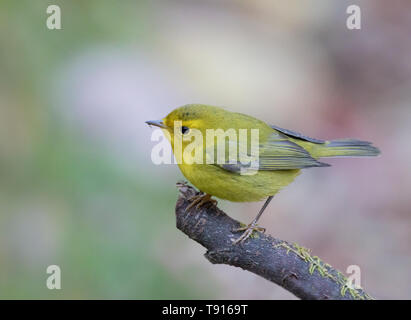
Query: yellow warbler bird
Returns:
{"type": "Point", "coordinates": [263, 163]}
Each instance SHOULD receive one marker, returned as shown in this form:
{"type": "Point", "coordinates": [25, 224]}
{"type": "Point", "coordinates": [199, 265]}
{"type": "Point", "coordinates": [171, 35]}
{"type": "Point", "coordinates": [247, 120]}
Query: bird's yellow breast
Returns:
{"type": "Point", "coordinates": [231, 186]}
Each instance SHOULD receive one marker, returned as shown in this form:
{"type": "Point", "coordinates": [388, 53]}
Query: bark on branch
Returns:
{"type": "Point", "coordinates": [286, 264]}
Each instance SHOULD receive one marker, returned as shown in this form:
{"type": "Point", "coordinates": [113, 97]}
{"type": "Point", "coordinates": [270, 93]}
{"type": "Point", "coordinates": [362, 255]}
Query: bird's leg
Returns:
{"type": "Point", "coordinates": [248, 230]}
{"type": "Point", "coordinates": [199, 200]}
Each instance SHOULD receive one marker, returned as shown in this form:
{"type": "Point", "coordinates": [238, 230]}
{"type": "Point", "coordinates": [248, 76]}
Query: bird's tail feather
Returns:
{"type": "Point", "coordinates": [347, 148]}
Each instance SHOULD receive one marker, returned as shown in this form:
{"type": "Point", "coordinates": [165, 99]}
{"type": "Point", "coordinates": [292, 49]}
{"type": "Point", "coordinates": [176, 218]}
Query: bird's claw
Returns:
{"type": "Point", "coordinates": [200, 200]}
{"type": "Point", "coordinates": [248, 231]}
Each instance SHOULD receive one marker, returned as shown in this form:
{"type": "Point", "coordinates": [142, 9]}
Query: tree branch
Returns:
{"type": "Point", "coordinates": [288, 265]}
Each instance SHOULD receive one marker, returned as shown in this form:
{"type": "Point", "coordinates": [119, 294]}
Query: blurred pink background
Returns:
{"type": "Point", "coordinates": [78, 186]}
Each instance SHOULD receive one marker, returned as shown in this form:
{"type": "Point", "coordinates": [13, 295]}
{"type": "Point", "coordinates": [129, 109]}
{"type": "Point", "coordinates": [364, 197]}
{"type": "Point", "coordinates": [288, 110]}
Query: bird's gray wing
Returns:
{"type": "Point", "coordinates": [297, 135]}
{"type": "Point", "coordinates": [277, 153]}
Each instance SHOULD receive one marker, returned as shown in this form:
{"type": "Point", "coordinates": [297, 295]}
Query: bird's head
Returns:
{"type": "Point", "coordinates": [190, 120]}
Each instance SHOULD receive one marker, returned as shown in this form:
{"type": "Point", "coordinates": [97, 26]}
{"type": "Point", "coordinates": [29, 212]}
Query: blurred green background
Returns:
{"type": "Point", "coordinates": [77, 185]}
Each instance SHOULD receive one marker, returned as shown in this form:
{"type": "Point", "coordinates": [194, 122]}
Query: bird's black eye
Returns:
{"type": "Point", "coordinates": [184, 130]}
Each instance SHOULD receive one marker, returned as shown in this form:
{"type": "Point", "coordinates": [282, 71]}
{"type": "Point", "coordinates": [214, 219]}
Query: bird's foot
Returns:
{"type": "Point", "coordinates": [200, 200]}
{"type": "Point", "coordinates": [248, 231]}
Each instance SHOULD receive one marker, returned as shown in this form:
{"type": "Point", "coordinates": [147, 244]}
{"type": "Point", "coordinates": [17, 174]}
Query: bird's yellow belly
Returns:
{"type": "Point", "coordinates": [235, 187]}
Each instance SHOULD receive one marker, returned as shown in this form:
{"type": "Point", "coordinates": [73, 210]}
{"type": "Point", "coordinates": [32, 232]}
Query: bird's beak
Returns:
{"type": "Point", "coordinates": [157, 123]}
